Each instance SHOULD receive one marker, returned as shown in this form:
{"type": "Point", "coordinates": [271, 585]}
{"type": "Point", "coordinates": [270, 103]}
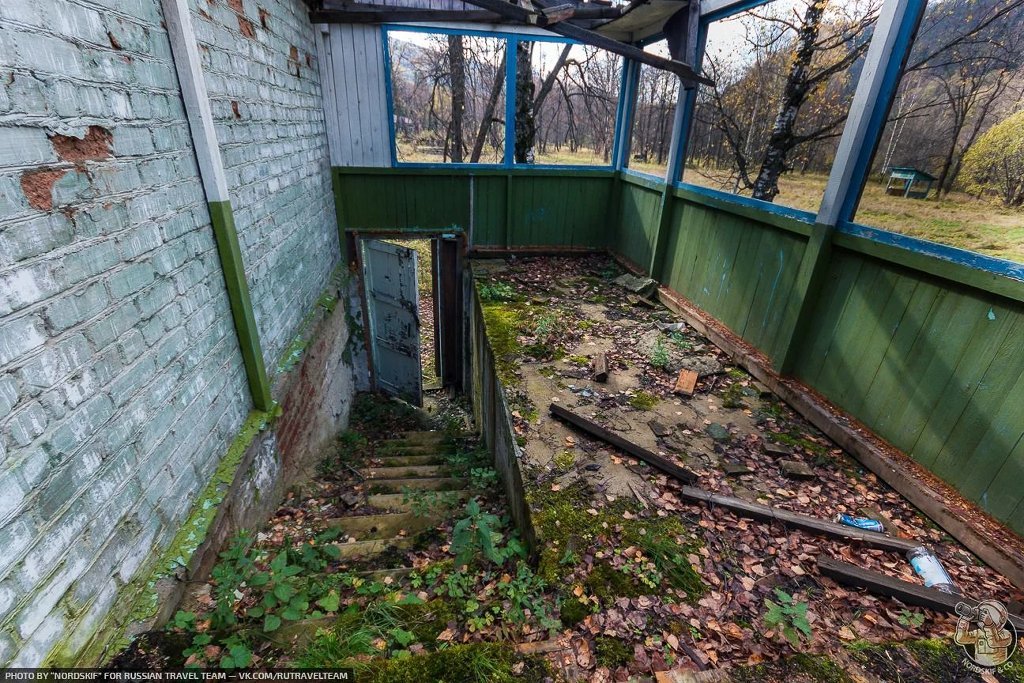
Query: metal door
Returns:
{"type": "Point", "coordinates": [392, 300]}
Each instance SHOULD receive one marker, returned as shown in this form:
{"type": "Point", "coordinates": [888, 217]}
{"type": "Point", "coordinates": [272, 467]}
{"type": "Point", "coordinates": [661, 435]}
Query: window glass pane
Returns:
{"type": "Point", "coordinates": [653, 115]}
{"type": "Point", "coordinates": [574, 91]}
{"type": "Point", "coordinates": [785, 75]}
{"type": "Point", "coordinates": [449, 97]}
{"type": "Point", "coordinates": [950, 163]}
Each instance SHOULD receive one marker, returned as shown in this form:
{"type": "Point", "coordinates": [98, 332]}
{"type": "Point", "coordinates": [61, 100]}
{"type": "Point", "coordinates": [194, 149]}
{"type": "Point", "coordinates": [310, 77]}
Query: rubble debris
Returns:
{"type": "Point", "coordinates": [704, 366]}
{"type": "Point", "coordinates": [794, 469]}
{"type": "Point", "coordinates": [600, 367]}
{"type": "Point", "coordinates": [659, 429]}
{"type": "Point", "coordinates": [642, 286]}
{"type": "Point", "coordinates": [686, 382]}
{"type": "Point", "coordinates": [735, 469]}
{"type": "Point", "coordinates": [776, 449]}
{"type": "Point", "coordinates": [718, 432]}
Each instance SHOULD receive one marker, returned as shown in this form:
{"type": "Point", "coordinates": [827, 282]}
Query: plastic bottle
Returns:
{"type": "Point", "coordinates": [931, 570]}
{"type": "Point", "coordinates": [865, 523]}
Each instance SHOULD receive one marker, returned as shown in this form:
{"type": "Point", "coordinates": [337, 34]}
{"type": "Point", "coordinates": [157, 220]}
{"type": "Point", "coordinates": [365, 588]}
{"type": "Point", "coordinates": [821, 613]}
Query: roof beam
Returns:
{"type": "Point", "coordinates": [373, 13]}
{"type": "Point", "coordinates": [360, 13]}
{"type": "Point", "coordinates": [528, 16]}
{"type": "Point", "coordinates": [722, 8]}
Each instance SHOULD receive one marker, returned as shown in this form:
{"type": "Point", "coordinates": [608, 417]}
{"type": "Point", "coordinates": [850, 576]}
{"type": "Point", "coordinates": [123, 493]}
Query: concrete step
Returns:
{"type": "Point", "coordinates": [421, 484]}
{"type": "Point", "coordinates": [392, 448]}
{"type": "Point", "coordinates": [407, 460]}
{"type": "Point", "coordinates": [421, 438]}
{"type": "Point", "coordinates": [373, 547]}
{"type": "Point", "coordinates": [397, 501]}
{"type": "Point", "coordinates": [385, 525]}
{"type": "Point", "coordinates": [403, 471]}
{"type": "Point", "coordinates": [396, 574]}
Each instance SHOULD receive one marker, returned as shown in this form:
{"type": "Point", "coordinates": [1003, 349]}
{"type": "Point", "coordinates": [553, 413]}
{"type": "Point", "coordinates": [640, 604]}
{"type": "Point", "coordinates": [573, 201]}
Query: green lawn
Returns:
{"type": "Point", "coordinates": [959, 220]}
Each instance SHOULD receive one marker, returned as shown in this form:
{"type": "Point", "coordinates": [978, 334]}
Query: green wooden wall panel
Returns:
{"type": "Point", "coordinates": [548, 208]}
{"type": "Point", "coordinates": [638, 218]}
{"type": "Point", "coordinates": [736, 269]}
{"type": "Point", "coordinates": [932, 367]}
{"type": "Point", "coordinates": [490, 194]}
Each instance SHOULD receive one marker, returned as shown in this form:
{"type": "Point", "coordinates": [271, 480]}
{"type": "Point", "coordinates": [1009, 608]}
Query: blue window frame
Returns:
{"type": "Point", "coordinates": [433, 145]}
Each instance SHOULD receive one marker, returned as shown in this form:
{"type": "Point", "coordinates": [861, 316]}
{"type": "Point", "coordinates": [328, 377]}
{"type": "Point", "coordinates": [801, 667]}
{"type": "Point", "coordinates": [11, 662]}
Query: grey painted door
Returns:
{"type": "Point", "coordinates": [392, 298]}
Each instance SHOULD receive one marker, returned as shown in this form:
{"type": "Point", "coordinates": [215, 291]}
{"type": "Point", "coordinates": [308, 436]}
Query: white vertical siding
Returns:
{"type": "Point", "coordinates": [355, 101]}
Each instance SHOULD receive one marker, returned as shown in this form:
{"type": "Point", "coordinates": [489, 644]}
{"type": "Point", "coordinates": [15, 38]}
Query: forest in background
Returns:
{"type": "Point", "coordinates": [785, 75]}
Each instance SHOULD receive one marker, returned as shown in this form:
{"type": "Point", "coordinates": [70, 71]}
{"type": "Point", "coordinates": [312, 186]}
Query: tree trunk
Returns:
{"type": "Point", "coordinates": [492, 104]}
{"type": "Point", "coordinates": [457, 68]}
{"type": "Point", "coordinates": [782, 140]}
{"type": "Point", "coordinates": [526, 123]}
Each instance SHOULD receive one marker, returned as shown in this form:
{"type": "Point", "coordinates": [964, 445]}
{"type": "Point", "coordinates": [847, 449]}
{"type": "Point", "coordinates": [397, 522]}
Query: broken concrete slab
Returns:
{"type": "Point", "coordinates": [794, 469]}
{"type": "Point", "coordinates": [718, 432]}
{"type": "Point", "coordinates": [643, 286]}
{"type": "Point", "coordinates": [776, 449]}
{"type": "Point", "coordinates": [735, 469]}
{"type": "Point", "coordinates": [704, 366]}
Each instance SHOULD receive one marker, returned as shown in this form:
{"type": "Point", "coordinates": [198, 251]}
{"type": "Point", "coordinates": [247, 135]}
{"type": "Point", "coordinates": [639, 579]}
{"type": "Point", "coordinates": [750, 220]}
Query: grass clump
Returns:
{"type": "Point", "coordinates": [565, 460]}
{"type": "Point", "coordinates": [643, 400]}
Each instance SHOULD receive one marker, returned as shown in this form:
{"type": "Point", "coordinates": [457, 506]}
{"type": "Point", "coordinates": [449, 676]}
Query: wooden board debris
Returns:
{"type": "Point", "coordinates": [798, 521]}
{"type": "Point", "coordinates": [636, 450]}
{"type": "Point", "coordinates": [904, 591]}
{"type": "Point", "coordinates": [686, 382]}
{"type": "Point", "coordinates": [601, 367]}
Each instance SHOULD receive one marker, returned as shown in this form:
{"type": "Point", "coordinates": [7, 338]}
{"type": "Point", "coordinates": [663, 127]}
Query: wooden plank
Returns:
{"type": "Point", "coordinates": [601, 367]}
{"type": "Point", "coordinates": [904, 591]}
{"type": "Point", "coordinates": [686, 382]}
{"type": "Point", "coordinates": [796, 520]}
{"type": "Point", "coordinates": [594, 429]}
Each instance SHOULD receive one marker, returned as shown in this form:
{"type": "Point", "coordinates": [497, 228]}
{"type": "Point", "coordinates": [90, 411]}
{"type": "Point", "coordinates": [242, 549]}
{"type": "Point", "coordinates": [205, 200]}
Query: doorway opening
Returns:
{"type": "Point", "coordinates": [413, 303]}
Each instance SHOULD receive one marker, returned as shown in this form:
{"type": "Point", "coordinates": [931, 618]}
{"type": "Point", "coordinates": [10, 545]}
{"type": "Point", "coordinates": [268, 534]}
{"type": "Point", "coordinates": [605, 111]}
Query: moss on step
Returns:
{"type": "Point", "coordinates": [503, 322]}
{"type": "Point", "coordinates": [926, 660]}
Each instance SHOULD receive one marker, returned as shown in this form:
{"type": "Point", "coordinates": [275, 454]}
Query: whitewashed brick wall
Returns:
{"type": "Point", "coordinates": [121, 383]}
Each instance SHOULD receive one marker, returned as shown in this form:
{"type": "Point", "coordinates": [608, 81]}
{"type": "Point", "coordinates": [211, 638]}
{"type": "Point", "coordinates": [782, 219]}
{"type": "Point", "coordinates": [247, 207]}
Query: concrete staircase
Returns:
{"type": "Point", "coordinates": [409, 465]}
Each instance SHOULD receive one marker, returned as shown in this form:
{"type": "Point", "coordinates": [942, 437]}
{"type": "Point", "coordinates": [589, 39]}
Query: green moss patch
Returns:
{"type": "Point", "coordinates": [567, 526]}
{"type": "Point", "coordinates": [612, 652]}
{"type": "Point", "coordinates": [503, 322]}
{"type": "Point", "coordinates": [643, 400]}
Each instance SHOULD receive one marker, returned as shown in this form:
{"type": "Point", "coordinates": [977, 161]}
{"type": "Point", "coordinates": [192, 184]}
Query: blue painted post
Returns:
{"type": "Point", "coordinates": [883, 65]}
{"type": "Point", "coordinates": [627, 98]}
{"type": "Point", "coordinates": [511, 55]}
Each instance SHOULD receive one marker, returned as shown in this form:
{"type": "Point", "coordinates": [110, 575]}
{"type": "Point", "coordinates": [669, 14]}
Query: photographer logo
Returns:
{"type": "Point", "coordinates": [986, 634]}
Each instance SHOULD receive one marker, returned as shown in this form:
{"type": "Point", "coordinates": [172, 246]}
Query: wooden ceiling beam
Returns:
{"type": "Point", "coordinates": [536, 18]}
